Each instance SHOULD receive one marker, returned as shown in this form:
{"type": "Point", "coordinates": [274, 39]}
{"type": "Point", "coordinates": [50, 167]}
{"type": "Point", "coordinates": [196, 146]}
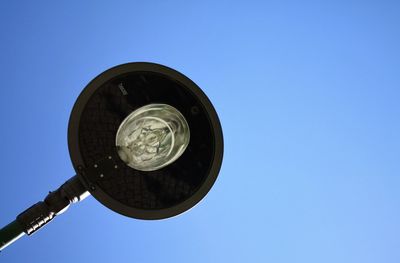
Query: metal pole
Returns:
{"type": "Point", "coordinates": [10, 233]}
{"type": "Point", "coordinates": [38, 215]}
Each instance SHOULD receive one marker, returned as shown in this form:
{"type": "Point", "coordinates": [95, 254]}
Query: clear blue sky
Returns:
{"type": "Point", "coordinates": [308, 95]}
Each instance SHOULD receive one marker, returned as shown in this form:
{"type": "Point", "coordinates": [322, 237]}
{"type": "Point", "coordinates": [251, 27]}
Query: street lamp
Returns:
{"type": "Point", "coordinates": [144, 140]}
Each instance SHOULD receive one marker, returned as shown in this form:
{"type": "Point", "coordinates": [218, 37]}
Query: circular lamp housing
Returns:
{"type": "Point", "coordinates": [97, 122]}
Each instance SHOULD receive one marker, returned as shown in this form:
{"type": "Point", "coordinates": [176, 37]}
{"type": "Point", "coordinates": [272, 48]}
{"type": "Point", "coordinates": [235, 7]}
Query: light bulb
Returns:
{"type": "Point", "coordinates": [152, 137]}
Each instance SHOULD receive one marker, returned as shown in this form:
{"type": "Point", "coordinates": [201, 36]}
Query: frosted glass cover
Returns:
{"type": "Point", "coordinates": [152, 137]}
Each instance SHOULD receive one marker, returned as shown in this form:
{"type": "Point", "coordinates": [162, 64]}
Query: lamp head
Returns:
{"type": "Point", "coordinates": [145, 140]}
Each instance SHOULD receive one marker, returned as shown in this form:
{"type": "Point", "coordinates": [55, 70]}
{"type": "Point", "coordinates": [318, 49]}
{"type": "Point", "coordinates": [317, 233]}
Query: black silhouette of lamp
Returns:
{"type": "Point", "coordinates": [144, 140]}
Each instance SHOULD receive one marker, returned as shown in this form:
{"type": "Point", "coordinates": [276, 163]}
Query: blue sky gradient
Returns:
{"type": "Point", "coordinates": [308, 96]}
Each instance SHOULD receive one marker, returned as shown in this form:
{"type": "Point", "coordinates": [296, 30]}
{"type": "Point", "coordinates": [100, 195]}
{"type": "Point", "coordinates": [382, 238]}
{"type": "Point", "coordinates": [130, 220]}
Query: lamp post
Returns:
{"type": "Point", "coordinates": [144, 140]}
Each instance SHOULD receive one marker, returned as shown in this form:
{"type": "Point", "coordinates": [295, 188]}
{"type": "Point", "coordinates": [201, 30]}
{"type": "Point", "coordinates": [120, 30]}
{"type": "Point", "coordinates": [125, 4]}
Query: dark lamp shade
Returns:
{"type": "Point", "coordinates": [96, 117]}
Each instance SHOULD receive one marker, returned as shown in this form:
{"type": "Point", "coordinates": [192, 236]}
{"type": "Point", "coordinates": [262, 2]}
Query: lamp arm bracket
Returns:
{"type": "Point", "coordinates": [55, 203]}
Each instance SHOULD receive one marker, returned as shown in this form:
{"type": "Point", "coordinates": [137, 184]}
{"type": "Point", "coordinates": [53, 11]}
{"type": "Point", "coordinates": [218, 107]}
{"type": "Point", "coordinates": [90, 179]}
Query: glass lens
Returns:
{"type": "Point", "coordinates": [152, 137]}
